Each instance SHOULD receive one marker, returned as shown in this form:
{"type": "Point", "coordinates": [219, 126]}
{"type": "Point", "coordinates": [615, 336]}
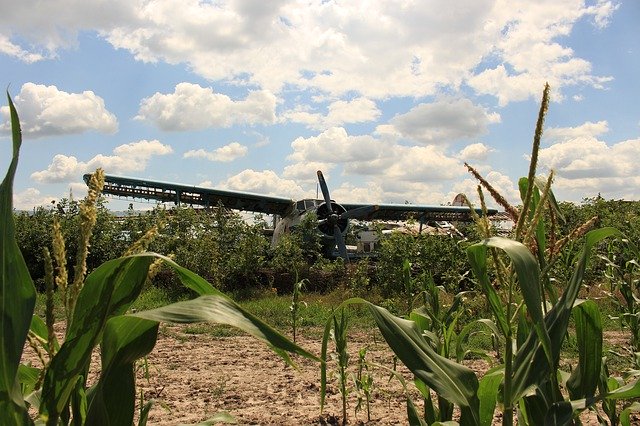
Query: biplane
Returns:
{"type": "Point", "coordinates": [333, 218]}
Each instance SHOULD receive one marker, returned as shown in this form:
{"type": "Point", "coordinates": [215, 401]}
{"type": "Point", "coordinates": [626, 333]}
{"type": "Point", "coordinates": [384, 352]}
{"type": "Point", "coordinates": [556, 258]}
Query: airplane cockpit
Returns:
{"type": "Point", "coordinates": [307, 204]}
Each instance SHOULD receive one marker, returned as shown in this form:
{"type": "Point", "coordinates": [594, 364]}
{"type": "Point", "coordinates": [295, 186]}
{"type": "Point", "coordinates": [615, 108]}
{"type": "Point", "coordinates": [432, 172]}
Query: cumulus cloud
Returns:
{"type": "Point", "coordinates": [336, 48]}
{"type": "Point", "coordinates": [31, 198]}
{"type": "Point", "coordinates": [375, 155]}
{"type": "Point", "coordinates": [475, 151]}
{"type": "Point", "coordinates": [359, 110]}
{"type": "Point", "coordinates": [334, 145]}
{"type": "Point", "coordinates": [306, 172]}
{"type": "Point", "coordinates": [529, 52]}
{"type": "Point", "coordinates": [584, 163]}
{"type": "Point", "coordinates": [444, 121]}
{"type": "Point", "coordinates": [193, 107]}
{"type": "Point", "coordinates": [46, 111]}
{"type": "Point", "coordinates": [588, 129]}
{"type": "Point", "coordinates": [263, 182]}
{"type": "Point", "coordinates": [11, 49]}
{"type": "Point", "coordinates": [127, 158]}
{"type": "Point", "coordinates": [224, 154]}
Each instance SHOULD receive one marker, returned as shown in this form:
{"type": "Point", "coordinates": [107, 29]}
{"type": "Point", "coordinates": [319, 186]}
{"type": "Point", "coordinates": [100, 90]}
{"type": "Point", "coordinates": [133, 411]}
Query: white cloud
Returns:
{"type": "Point", "coordinates": [374, 49]}
{"type": "Point", "coordinates": [475, 151]}
{"type": "Point", "coordinates": [31, 198]}
{"type": "Point", "coordinates": [588, 129]}
{"type": "Point", "coordinates": [529, 51]}
{"type": "Point", "coordinates": [583, 164]}
{"type": "Point", "coordinates": [306, 172]}
{"type": "Point", "coordinates": [444, 121]}
{"type": "Point", "coordinates": [334, 145]}
{"type": "Point", "coordinates": [128, 158]}
{"type": "Point", "coordinates": [11, 49]}
{"type": "Point", "coordinates": [224, 154]}
{"type": "Point", "coordinates": [45, 111]}
{"type": "Point", "coordinates": [192, 107]}
{"type": "Point", "coordinates": [265, 182]}
{"type": "Point", "coordinates": [359, 110]}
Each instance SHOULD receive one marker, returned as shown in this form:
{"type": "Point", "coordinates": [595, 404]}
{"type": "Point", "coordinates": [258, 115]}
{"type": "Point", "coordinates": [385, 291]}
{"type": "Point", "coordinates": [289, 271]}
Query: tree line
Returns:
{"type": "Point", "coordinates": [237, 256]}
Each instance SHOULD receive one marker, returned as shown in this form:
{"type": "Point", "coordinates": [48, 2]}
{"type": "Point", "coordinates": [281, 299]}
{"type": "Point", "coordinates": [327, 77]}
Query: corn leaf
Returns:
{"type": "Point", "coordinates": [17, 294]}
{"type": "Point", "coordinates": [488, 394]}
{"type": "Point", "coordinates": [413, 416]}
{"type": "Point", "coordinates": [584, 379]}
{"type": "Point", "coordinates": [528, 274]}
{"type": "Point", "coordinates": [630, 390]}
{"type": "Point", "coordinates": [108, 290]}
{"type": "Point", "coordinates": [112, 400]}
{"type": "Point", "coordinates": [219, 309]}
{"type": "Point", "coordinates": [477, 255]}
{"type": "Point", "coordinates": [531, 366]}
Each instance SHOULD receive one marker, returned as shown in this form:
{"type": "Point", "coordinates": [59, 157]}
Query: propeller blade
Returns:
{"type": "Point", "coordinates": [325, 191]}
{"type": "Point", "coordinates": [360, 212]}
{"type": "Point", "coordinates": [342, 247]}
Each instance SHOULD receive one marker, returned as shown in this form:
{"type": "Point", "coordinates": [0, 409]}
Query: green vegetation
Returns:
{"type": "Point", "coordinates": [525, 303]}
{"type": "Point", "coordinates": [95, 303]}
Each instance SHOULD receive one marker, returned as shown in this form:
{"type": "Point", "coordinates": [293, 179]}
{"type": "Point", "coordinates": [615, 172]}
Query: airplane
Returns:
{"type": "Point", "coordinates": [333, 218]}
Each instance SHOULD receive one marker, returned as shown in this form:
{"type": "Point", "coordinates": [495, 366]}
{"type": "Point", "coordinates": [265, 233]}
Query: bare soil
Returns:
{"type": "Point", "coordinates": [193, 377]}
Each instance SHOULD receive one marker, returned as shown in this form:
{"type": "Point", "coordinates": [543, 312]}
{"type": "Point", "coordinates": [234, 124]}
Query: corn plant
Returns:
{"type": "Point", "coordinates": [363, 383]}
{"type": "Point", "coordinates": [296, 304]}
{"type": "Point", "coordinates": [339, 337]}
{"type": "Point", "coordinates": [623, 276]}
{"type": "Point", "coordinates": [531, 319]}
{"type": "Point", "coordinates": [57, 391]}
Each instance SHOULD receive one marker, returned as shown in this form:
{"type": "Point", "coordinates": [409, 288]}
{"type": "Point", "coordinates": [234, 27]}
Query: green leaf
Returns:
{"type": "Point", "coordinates": [625, 415]}
{"type": "Point", "coordinates": [452, 381]}
{"type": "Point", "coordinates": [528, 274]}
{"type": "Point", "coordinates": [17, 294]}
{"type": "Point", "coordinates": [560, 414]}
{"type": "Point", "coordinates": [488, 394]}
{"type": "Point", "coordinates": [108, 291]}
{"type": "Point", "coordinates": [218, 308]}
{"type": "Point", "coordinates": [584, 379]}
{"type": "Point", "coordinates": [477, 255]}
{"type": "Point", "coordinates": [530, 364]}
{"type": "Point", "coordinates": [413, 416]}
{"type": "Point", "coordinates": [630, 390]}
{"type": "Point", "coordinates": [126, 339]}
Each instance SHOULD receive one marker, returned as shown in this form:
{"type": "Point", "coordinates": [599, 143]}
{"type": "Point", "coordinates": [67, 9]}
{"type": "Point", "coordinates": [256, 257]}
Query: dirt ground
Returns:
{"type": "Point", "coordinates": [193, 377]}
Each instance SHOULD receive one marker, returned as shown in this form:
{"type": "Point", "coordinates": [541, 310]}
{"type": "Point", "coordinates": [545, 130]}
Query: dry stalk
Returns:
{"type": "Point", "coordinates": [142, 243]}
{"type": "Point", "coordinates": [573, 235]}
{"type": "Point", "coordinates": [511, 211]}
{"type": "Point", "coordinates": [49, 317]}
{"type": "Point", "coordinates": [529, 237]}
{"type": "Point", "coordinates": [88, 216]}
{"type": "Point", "coordinates": [537, 137]}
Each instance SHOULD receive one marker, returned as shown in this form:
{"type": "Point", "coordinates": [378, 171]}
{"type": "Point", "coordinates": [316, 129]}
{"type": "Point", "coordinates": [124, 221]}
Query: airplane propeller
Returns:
{"type": "Point", "coordinates": [334, 219]}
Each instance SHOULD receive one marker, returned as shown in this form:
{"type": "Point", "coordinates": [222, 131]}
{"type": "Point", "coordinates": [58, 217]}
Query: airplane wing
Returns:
{"type": "Point", "coordinates": [419, 212]}
{"type": "Point", "coordinates": [194, 195]}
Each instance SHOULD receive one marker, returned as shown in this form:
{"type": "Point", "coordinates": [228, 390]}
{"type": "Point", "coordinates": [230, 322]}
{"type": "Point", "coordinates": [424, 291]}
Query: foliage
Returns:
{"type": "Point", "coordinates": [96, 307]}
{"type": "Point", "coordinates": [339, 337]}
{"type": "Point", "coordinates": [532, 320]}
{"type": "Point", "coordinates": [421, 251]}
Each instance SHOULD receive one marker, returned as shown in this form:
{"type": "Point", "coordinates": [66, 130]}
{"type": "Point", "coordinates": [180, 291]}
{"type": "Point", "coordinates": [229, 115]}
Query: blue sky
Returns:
{"type": "Point", "coordinates": [388, 98]}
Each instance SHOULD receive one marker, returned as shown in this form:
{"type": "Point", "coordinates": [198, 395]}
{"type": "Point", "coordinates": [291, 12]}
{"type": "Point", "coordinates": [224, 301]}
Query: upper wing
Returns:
{"type": "Point", "coordinates": [194, 195]}
{"type": "Point", "coordinates": [418, 212]}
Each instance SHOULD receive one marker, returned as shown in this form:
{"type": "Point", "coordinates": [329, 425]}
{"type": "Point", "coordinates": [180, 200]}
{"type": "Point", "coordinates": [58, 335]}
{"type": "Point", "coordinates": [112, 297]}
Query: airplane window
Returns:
{"type": "Point", "coordinates": [300, 205]}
